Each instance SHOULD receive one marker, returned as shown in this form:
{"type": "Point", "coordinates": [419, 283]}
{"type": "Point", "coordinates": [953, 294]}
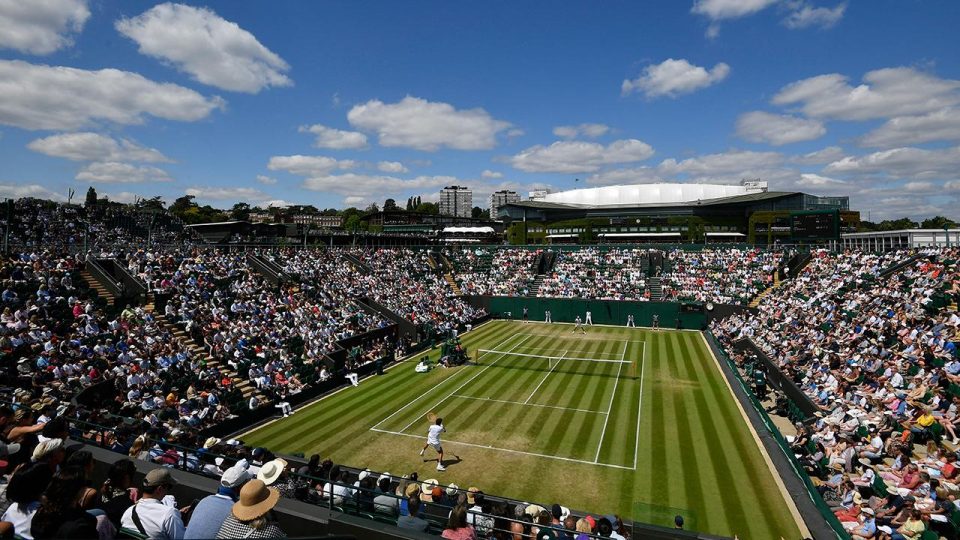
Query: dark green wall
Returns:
{"type": "Point", "coordinates": [603, 311]}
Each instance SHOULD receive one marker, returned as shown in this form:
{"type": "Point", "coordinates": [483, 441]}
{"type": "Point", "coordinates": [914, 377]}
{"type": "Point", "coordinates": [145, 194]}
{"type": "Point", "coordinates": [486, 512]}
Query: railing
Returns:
{"type": "Point", "coordinates": [100, 274]}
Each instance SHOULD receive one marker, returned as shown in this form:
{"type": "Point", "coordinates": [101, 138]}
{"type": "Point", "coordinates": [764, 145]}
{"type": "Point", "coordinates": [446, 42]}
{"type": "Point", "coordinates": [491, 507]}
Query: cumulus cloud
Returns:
{"type": "Point", "coordinates": [308, 165]}
{"type": "Point", "coordinates": [391, 167]}
{"type": "Point", "coordinates": [210, 49]}
{"type": "Point", "coordinates": [777, 129]}
{"type": "Point", "coordinates": [372, 185]}
{"type": "Point", "coordinates": [817, 181]}
{"type": "Point", "coordinates": [425, 125]}
{"type": "Point", "coordinates": [41, 26]}
{"type": "Point", "coordinates": [806, 16]}
{"type": "Point", "coordinates": [238, 194]}
{"type": "Point", "coordinates": [673, 77]}
{"type": "Point", "coordinates": [88, 146]}
{"type": "Point", "coordinates": [19, 190]}
{"type": "Point", "coordinates": [579, 156]}
{"type": "Point", "coordinates": [583, 130]}
{"type": "Point", "coordinates": [336, 139]}
{"type": "Point", "coordinates": [942, 125]}
{"type": "Point", "coordinates": [885, 93]}
{"type": "Point", "coordinates": [34, 96]}
{"type": "Point", "coordinates": [491, 174]}
{"type": "Point", "coordinates": [722, 163]}
{"type": "Point", "coordinates": [906, 162]}
{"type": "Point", "coordinates": [266, 180]}
{"type": "Point", "coordinates": [819, 157]}
{"type": "Point", "coordinates": [112, 172]}
{"type": "Point", "coordinates": [729, 9]}
{"type": "Point", "coordinates": [635, 175]}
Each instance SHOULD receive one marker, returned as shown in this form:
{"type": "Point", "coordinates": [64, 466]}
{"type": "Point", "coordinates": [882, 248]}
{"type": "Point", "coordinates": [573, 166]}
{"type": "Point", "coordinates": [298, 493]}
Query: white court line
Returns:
{"type": "Point", "coordinates": [548, 352]}
{"type": "Point", "coordinates": [418, 398]}
{"type": "Point", "coordinates": [521, 452]}
{"type": "Point", "coordinates": [477, 374]}
{"type": "Point", "coordinates": [636, 445]}
{"type": "Point", "coordinates": [612, 397]}
{"type": "Point", "coordinates": [545, 378]}
{"type": "Point", "coordinates": [527, 404]}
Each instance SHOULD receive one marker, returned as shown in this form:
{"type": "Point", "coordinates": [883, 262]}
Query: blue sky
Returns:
{"type": "Point", "coordinates": [347, 103]}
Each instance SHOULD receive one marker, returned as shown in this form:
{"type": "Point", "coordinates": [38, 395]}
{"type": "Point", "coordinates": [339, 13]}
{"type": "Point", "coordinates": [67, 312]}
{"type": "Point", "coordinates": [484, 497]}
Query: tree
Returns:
{"type": "Point", "coordinates": [427, 208]}
{"type": "Point", "coordinates": [153, 203]}
{"type": "Point", "coordinates": [240, 211]}
{"type": "Point", "coordinates": [417, 202]}
{"type": "Point", "coordinates": [372, 209]}
{"type": "Point", "coordinates": [91, 197]}
{"type": "Point", "coordinates": [182, 205]}
{"type": "Point", "coordinates": [409, 204]}
{"type": "Point", "coordinates": [897, 224]}
{"type": "Point", "coordinates": [390, 205]}
{"type": "Point", "coordinates": [477, 212]}
{"type": "Point", "coordinates": [938, 222]}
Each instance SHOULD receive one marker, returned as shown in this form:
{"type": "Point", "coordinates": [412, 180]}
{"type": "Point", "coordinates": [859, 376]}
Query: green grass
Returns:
{"type": "Point", "coordinates": [566, 433]}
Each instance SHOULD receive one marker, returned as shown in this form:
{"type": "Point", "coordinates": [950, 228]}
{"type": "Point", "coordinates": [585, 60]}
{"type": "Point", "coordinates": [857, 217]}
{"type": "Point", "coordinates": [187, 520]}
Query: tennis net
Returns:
{"type": "Point", "coordinates": [565, 363]}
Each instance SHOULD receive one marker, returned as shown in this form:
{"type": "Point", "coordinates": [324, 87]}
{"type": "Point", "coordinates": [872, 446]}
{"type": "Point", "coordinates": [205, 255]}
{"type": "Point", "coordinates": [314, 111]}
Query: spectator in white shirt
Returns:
{"type": "Point", "coordinates": [155, 515]}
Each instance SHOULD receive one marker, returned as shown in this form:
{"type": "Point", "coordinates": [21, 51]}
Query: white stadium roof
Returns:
{"type": "Point", "coordinates": [637, 194]}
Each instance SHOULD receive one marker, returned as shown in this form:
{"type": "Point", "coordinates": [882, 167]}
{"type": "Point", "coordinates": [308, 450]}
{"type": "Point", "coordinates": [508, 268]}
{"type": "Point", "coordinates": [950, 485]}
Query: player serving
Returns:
{"type": "Point", "coordinates": [433, 439]}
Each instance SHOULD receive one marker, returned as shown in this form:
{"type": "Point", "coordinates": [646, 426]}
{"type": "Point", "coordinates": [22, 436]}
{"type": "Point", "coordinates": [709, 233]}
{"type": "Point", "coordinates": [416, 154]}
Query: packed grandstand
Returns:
{"type": "Point", "coordinates": [871, 339]}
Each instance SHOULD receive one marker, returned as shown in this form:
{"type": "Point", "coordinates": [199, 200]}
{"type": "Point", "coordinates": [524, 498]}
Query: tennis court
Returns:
{"type": "Point", "coordinates": [636, 422]}
{"type": "Point", "coordinates": [521, 378]}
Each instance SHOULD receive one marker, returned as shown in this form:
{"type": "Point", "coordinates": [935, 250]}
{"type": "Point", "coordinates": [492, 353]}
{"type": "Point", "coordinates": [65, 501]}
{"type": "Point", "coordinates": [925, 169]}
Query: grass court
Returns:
{"type": "Point", "coordinates": [620, 420]}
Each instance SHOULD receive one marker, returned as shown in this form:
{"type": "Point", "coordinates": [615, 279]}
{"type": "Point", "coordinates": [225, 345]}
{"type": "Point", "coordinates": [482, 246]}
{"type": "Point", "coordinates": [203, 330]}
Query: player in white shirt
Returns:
{"type": "Point", "coordinates": [433, 439]}
{"type": "Point", "coordinates": [578, 325]}
{"type": "Point", "coordinates": [589, 319]}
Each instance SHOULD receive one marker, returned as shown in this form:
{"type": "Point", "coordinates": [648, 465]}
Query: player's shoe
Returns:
{"type": "Point", "coordinates": [422, 450]}
{"type": "Point", "coordinates": [441, 467]}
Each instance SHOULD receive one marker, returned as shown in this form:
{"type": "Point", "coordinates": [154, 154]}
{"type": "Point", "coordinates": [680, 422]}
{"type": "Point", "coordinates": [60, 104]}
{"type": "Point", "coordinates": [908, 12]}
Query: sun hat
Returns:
{"type": "Point", "coordinates": [452, 490]}
{"type": "Point", "coordinates": [159, 477]}
{"type": "Point", "coordinates": [8, 449]}
{"type": "Point", "coordinates": [234, 477]}
{"type": "Point", "coordinates": [211, 442]}
{"type": "Point", "coordinates": [363, 474]}
{"type": "Point", "coordinates": [868, 511]}
{"type": "Point", "coordinates": [471, 494]}
{"type": "Point", "coordinates": [270, 471]}
{"type": "Point", "coordinates": [47, 447]}
{"type": "Point", "coordinates": [411, 490]}
{"type": "Point", "coordinates": [256, 499]}
{"type": "Point", "coordinates": [427, 485]}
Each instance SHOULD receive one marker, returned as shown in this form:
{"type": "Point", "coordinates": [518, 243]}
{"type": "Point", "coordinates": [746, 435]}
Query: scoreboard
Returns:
{"type": "Point", "coordinates": [815, 225]}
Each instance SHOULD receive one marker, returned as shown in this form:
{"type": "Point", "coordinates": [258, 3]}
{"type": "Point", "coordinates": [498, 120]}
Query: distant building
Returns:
{"type": "Point", "coordinates": [316, 220]}
{"type": "Point", "coordinates": [500, 198]}
{"type": "Point", "coordinates": [538, 194]}
{"type": "Point", "coordinates": [261, 217]}
{"type": "Point", "coordinates": [456, 201]}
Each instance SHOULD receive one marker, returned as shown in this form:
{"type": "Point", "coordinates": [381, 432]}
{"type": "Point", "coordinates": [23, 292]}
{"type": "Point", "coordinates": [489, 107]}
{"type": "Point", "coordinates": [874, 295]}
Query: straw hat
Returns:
{"type": "Point", "coordinates": [256, 499]}
{"type": "Point", "coordinates": [271, 471]}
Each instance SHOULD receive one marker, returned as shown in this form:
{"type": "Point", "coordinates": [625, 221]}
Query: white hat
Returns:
{"type": "Point", "coordinates": [46, 447]}
{"type": "Point", "coordinates": [364, 473]}
{"type": "Point", "coordinates": [452, 490]}
{"type": "Point", "coordinates": [234, 477]}
{"type": "Point", "coordinates": [271, 471]}
{"type": "Point", "coordinates": [427, 485]}
{"type": "Point", "coordinates": [211, 442]}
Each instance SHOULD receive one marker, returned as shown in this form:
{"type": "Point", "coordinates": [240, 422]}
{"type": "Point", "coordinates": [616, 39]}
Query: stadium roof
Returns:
{"type": "Point", "coordinates": [750, 197]}
{"type": "Point", "coordinates": [657, 193]}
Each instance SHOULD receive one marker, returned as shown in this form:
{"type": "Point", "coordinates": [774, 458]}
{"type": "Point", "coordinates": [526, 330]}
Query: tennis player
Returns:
{"type": "Point", "coordinates": [578, 325]}
{"type": "Point", "coordinates": [433, 439]}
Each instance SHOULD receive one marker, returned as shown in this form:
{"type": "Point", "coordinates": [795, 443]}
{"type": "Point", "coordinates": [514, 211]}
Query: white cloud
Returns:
{"type": "Point", "coordinates": [819, 157]}
{"type": "Point", "coordinates": [353, 200]}
{"type": "Point", "coordinates": [424, 125]}
{"type": "Point", "coordinates": [722, 163]}
{"type": "Point", "coordinates": [491, 174]}
{"type": "Point", "coordinates": [87, 146]}
{"type": "Point", "coordinates": [212, 50]}
{"type": "Point", "coordinates": [18, 190]}
{"type": "Point", "coordinates": [586, 130]}
{"type": "Point", "coordinates": [729, 9]}
{"type": "Point", "coordinates": [243, 194]}
{"type": "Point", "coordinates": [41, 26]}
{"type": "Point", "coordinates": [777, 129]}
{"type": "Point", "coordinates": [36, 96]}
{"type": "Point", "coordinates": [636, 175]}
{"type": "Point", "coordinates": [374, 186]}
{"type": "Point", "coordinates": [579, 156]}
{"type": "Point", "coordinates": [919, 187]}
{"type": "Point", "coordinates": [806, 16]}
{"type": "Point", "coordinates": [336, 139]}
{"type": "Point", "coordinates": [907, 162]}
{"type": "Point", "coordinates": [391, 167]}
{"type": "Point", "coordinates": [112, 172]}
{"type": "Point", "coordinates": [816, 181]}
{"type": "Point", "coordinates": [308, 165]}
{"type": "Point", "coordinates": [674, 77]}
{"type": "Point", "coordinates": [885, 93]}
{"type": "Point", "coordinates": [266, 180]}
{"type": "Point", "coordinates": [942, 125]}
